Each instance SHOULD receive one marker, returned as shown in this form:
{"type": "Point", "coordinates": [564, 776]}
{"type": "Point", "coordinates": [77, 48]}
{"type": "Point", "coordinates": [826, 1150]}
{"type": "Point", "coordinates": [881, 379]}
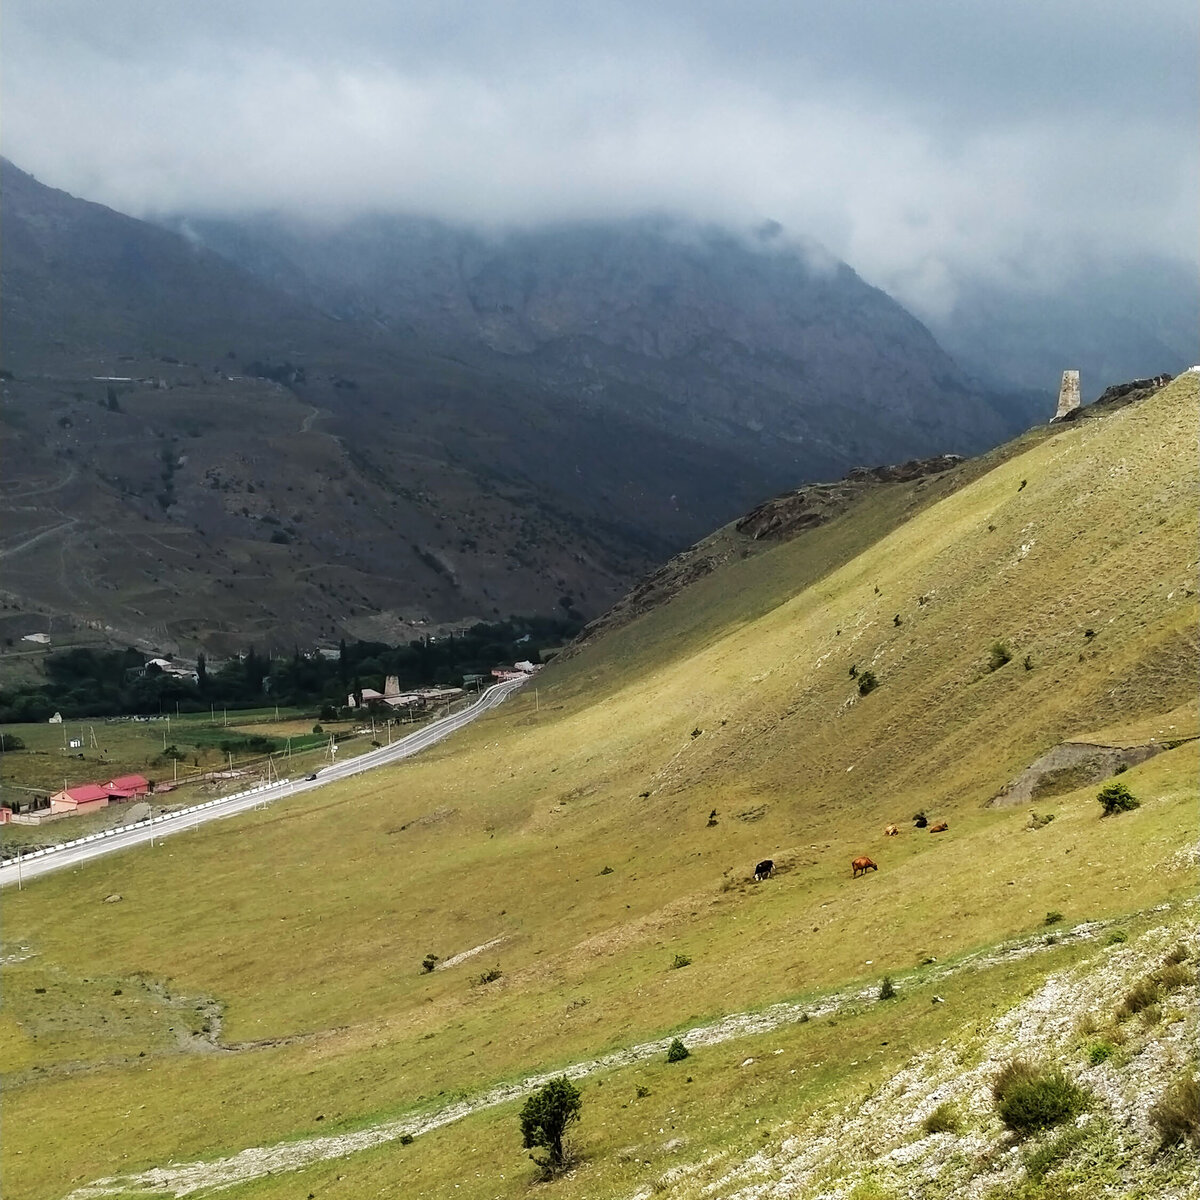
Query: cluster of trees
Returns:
{"type": "Point", "coordinates": [86, 682]}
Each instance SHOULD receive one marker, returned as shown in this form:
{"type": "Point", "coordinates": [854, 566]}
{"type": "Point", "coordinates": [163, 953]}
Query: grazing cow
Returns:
{"type": "Point", "coordinates": [940, 827]}
{"type": "Point", "coordinates": [891, 831]}
{"type": "Point", "coordinates": [860, 866]}
{"type": "Point", "coordinates": [764, 870]}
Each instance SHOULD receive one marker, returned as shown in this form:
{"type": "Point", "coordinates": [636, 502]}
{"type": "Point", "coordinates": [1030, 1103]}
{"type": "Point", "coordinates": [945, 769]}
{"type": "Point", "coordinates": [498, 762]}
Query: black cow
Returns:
{"type": "Point", "coordinates": [764, 870]}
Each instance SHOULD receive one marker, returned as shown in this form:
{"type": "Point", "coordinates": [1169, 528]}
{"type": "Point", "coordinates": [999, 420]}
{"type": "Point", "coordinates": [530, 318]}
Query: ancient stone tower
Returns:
{"type": "Point", "coordinates": [1068, 394]}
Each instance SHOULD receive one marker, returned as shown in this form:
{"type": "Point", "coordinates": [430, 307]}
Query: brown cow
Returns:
{"type": "Point", "coordinates": [940, 827]}
{"type": "Point", "coordinates": [891, 831]}
{"type": "Point", "coordinates": [860, 866]}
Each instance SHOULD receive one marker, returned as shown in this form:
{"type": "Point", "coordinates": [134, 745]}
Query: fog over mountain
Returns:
{"type": "Point", "coordinates": [949, 153]}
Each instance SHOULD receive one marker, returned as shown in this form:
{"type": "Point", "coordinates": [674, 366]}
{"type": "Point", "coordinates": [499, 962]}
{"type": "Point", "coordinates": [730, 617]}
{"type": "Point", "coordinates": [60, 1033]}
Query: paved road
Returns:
{"type": "Point", "coordinates": [402, 748]}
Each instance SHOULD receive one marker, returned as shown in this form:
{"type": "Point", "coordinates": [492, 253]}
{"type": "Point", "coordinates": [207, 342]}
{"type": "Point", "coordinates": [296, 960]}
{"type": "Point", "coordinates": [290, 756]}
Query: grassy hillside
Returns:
{"type": "Point", "coordinates": [260, 981]}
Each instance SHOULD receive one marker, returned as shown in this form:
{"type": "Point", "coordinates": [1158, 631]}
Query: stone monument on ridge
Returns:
{"type": "Point", "coordinates": [1068, 395]}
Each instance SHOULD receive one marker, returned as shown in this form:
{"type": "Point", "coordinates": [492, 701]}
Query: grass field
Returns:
{"type": "Point", "coordinates": [578, 834]}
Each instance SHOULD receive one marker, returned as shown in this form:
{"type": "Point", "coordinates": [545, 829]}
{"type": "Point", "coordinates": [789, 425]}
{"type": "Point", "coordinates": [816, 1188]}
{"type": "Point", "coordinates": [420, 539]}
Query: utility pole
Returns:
{"type": "Point", "coordinates": [537, 707]}
{"type": "Point", "coordinates": [20, 879]}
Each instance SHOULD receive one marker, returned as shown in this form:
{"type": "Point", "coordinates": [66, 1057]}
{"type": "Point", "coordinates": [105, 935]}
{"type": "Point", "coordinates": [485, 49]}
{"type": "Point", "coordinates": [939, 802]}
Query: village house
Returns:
{"type": "Point", "coordinates": [82, 798]}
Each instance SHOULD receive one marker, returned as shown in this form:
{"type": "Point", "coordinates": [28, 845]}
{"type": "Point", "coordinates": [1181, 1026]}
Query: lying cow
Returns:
{"type": "Point", "coordinates": [764, 870]}
{"type": "Point", "coordinates": [891, 831]}
{"type": "Point", "coordinates": [940, 827]}
{"type": "Point", "coordinates": [860, 866]}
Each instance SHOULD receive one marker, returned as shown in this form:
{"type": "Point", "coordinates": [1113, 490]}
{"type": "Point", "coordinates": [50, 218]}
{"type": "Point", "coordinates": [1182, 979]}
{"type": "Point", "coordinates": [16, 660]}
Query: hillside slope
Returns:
{"type": "Point", "coordinates": [279, 1007]}
{"type": "Point", "coordinates": [166, 416]}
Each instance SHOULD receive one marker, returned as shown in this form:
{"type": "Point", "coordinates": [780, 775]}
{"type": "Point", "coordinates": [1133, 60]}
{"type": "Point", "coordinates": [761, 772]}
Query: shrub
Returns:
{"type": "Point", "coordinates": [1030, 1098]}
{"type": "Point", "coordinates": [1179, 954]}
{"type": "Point", "coordinates": [867, 683]}
{"type": "Point", "coordinates": [998, 655]}
{"type": "Point", "coordinates": [1028, 663]}
{"type": "Point", "coordinates": [943, 1119]}
{"type": "Point", "coordinates": [10, 741]}
{"type": "Point", "coordinates": [1052, 918]}
{"type": "Point", "coordinates": [606, 870]}
{"type": "Point", "coordinates": [1176, 1116]}
{"type": "Point", "coordinates": [545, 1119]}
{"type": "Point", "coordinates": [677, 1051]}
{"type": "Point", "coordinates": [490, 975]}
{"type": "Point", "coordinates": [680, 960]}
{"type": "Point", "coordinates": [429, 962]}
{"type": "Point", "coordinates": [1115, 797]}
{"type": "Point", "coordinates": [887, 989]}
{"type": "Point", "coordinates": [406, 1139]}
{"type": "Point", "coordinates": [1117, 937]}
{"type": "Point", "coordinates": [1046, 1157]}
{"type": "Point", "coordinates": [318, 729]}
{"type": "Point", "coordinates": [641, 1091]}
{"type": "Point", "coordinates": [1174, 976]}
{"type": "Point", "coordinates": [1099, 1052]}
{"type": "Point", "coordinates": [1143, 994]}
{"type": "Point", "coordinates": [1039, 820]}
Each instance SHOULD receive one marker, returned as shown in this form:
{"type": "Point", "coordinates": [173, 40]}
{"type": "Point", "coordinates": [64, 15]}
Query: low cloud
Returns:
{"type": "Point", "coordinates": [925, 151]}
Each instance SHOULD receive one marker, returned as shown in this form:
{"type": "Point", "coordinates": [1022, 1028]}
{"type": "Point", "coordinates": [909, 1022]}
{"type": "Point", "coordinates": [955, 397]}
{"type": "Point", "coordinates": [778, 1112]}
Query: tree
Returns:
{"type": "Point", "coordinates": [545, 1118]}
{"type": "Point", "coordinates": [201, 671]}
{"type": "Point", "coordinates": [1115, 798]}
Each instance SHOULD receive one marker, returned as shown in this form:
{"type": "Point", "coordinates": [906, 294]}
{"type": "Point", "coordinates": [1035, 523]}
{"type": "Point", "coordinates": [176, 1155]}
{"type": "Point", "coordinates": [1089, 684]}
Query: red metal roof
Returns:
{"type": "Point", "coordinates": [129, 783]}
{"type": "Point", "coordinates": [84, 792]}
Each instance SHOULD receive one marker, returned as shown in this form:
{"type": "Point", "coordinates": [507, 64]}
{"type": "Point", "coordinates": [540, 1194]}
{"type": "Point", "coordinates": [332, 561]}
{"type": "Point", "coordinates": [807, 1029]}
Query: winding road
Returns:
{"type": "Point", "coordinates": [405, 747]}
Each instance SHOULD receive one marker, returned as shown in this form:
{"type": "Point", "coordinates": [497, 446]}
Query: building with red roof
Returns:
{"type": "Point", "coordinates": [127, 786]}
{"type": "Point", "coordinates": [83, 797]}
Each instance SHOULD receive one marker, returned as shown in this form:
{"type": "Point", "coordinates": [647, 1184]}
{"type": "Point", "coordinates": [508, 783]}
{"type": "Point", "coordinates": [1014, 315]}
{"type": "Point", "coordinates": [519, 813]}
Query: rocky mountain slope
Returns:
{"type": "Point", "coordinates": [582, 863]}
{"type": "Point", "coordinates": [721, 336]}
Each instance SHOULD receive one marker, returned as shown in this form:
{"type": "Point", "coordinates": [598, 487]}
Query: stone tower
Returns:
{"type": "Point", "coordinates": [1068, 394]}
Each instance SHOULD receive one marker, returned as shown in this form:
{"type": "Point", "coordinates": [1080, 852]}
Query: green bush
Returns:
{"type": "Point", "coordinates": [677, 1051]}
{"type": "Point", "coordinates": [1173, 976]}
{"type": "Point", "coordinates": [680, 960]}
{"type": "Point", "coordinates": [429, 962]}
{"type": "Point", "coordinates": [943, 1119]}
{"type": "Point", "coordinates": [406, 1139]}
{"type": "Point", "coordinates": [998, 656]}
{"type": "Point", "coordinates": [1039, 1163]}
{"type": "Point", "coordinates": [1099, 1052]}
{"type": "Point", "coordinates": [1052, 918]}
{"type": "Point", "coordinates": [1141, 996]}
{"type": "Point", "coordinates": [1030, 1098]}
{"type": "Point", "coordinates": [1176, 1116]}
{"type": "Point", "coordinates": [867, 683]}
{"type": "Point", "coordinates": [1115, 797]}
{"type": "Point", "coordinates": [1117, 937]}
{"type": "Point", "coordinates": [490, 975]}
{"type": "Point", "coordinates": [887, 989]}
{"type": "Point", "coordinates": [545, 1119]}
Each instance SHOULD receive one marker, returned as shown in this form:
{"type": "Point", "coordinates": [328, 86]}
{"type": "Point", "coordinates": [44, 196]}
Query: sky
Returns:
{"type": "Point", "coordinates": [926, 142]}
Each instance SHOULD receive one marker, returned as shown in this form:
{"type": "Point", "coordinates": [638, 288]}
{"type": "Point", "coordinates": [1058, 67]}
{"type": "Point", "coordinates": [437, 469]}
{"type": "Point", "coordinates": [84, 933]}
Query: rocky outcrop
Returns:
{"type": "Point", "coordinates": [785, 516]}
{"type": "Point", "coordinates": [1118, 396]}
{"type": "Point", "coordinates": [1070, 765]}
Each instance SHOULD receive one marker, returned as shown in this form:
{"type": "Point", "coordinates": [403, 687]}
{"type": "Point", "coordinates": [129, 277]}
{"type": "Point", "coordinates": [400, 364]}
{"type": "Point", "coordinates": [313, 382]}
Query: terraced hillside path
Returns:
{"type": "Point", "coordinates": [256, 1162]}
